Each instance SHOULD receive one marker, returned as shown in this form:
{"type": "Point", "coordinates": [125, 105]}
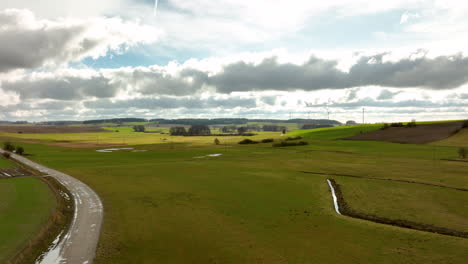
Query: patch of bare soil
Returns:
{"type": "Point", "coordinates": [51, 129]}
{"type": "Point", "coordinates": [421, 134]}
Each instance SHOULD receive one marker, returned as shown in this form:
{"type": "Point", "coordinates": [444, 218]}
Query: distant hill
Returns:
{"type": "Point", "coordinates": [240, 121]}
{"type": "Point", "coordinates": [13, 123]}
{"type": "Point", "coordinates": [59, 123]}
{"type": "Point", "coordinates": [183, 121]}
{"type": "Point", "coordinates": [114, 120]}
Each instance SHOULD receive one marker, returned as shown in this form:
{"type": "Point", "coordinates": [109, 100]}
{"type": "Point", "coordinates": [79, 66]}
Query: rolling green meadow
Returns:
{"type": "Point", "coordinates": [460, 139]}
{"type": "Point", "coordinates": [5, 163]}
{"type": "Point", "coordinates": [125, 136]}
{"type": "Point", "coordinates": [172, 203]}
{"type": "Point", "coordinates": [25, 207]}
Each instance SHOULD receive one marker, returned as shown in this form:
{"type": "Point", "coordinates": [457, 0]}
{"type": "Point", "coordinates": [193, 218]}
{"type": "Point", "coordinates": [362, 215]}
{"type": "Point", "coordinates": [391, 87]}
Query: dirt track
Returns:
{"type": "Point", "coordinates": [51, 129]}
{"type": "Point", "coordinates": [79, 243]}
{"type": "Point", "coordinates": [421, 134]}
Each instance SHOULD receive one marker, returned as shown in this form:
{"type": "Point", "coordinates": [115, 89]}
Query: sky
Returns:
{"type": "Point", "coordinates": [76, 60]}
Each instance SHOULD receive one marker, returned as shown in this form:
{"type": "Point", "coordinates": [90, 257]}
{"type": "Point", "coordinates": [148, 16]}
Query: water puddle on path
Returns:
{"type": "Point", "coordinates": [52, 255]}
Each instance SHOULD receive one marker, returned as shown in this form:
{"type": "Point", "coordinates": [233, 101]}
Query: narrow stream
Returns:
{"type": "Point", "coordinates": [335, 200]}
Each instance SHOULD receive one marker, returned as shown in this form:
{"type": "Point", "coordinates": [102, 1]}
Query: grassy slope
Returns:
{"type": "Point", "coordinates": [396, 200]}
{"type": "Point", "coordinates": [252, 205]}
{"type": "Point", "coordinates": [5, 163]}
{"type": "Point", "coordinates": [335, 132]}
{"type": "Point", "coordinates": [458, 140]}
{"type": "Point", "coordinates": [25, 206]}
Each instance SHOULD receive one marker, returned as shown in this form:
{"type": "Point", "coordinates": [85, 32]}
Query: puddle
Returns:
{"type": "Point", "coordinates": [335, 200]}
{"type": "Point", "coordinates": [210, 155]}
{"type": "Point", "coordinates": [112, 150]}
{"type": "Point", "coordinates": [52, 256]}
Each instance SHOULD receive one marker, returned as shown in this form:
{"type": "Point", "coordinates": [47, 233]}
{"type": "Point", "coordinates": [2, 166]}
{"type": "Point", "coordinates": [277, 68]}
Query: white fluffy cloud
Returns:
{"type": "Point", "coordinates": [38, 46]}
{"type": "Point", "coordinates": [269, 74]}
{"type": "Point", "coordinates": [29, 42]}
{"type": "Point", "coordinates": [52, 9]}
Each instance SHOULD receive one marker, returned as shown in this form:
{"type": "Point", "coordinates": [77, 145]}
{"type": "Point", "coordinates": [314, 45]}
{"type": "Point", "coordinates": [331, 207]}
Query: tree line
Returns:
{"type": "Point", "coordinates": [8, 146]}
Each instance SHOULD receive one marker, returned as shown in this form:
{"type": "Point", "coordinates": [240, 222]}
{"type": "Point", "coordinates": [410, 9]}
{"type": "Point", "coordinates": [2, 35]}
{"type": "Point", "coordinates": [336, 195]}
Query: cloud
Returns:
{"type": "Point", "coordinates": [174, 103]}
{"type": "Point", "coordinates": [315, 74]}
{"type": "Point", "coordinates": [439, 73]}
{"type": "Point", "coordinates": [29, 42]}
{"type": "Point", "coordinates": [407, 16]}
{"type": "Point", "coordinates": [70, 8]}
{"type": "Point", "coordinates": [69, 85]}
{"type": "Point", "coordinates": [269, 100]}
{"type": "Point", "coordinates": [352, 94]}
{"type": "Point", "coordinates": [159, 80]}
{"type": "Point", "coordinates": [414, 103]}
{"type": "Point", "coordinates": [387, 95]}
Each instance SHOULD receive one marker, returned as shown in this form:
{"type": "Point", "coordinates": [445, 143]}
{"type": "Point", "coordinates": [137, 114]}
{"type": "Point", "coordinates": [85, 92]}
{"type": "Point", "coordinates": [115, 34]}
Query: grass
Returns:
{"type": "Point", "coordinates": [412, 202]}
{"type": "Point", "coordinates": [25, 207]}
{"type": "Point", "coordinates": [172, 204]}
{"type": "Point", "coordinates": [340, 132]}
{"type": "Point", "coordinates": [458, 140]}
{"type": "Point", "coordinates": [126, 136]}
{"type": "Point", "coordinates": [335, 132]}
{"type": "Point", "coordinates": [4, 163]}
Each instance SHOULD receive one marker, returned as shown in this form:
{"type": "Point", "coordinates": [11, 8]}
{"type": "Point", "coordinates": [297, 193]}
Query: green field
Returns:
{"type": "Point", "coordinates": [126, 136]}
{"type": "Point", "coordinates": [459, 140]}
{"type": "Point", "coordinates": [25, 207]}
{"type": "Point", "coordinates": [173, 204]}
{"type": "Point", "coordinates": [6, 163]}
{"type": "Point", "coordinates": [397, 200]}
{"type": "Point", "coordinates": [335, 132]}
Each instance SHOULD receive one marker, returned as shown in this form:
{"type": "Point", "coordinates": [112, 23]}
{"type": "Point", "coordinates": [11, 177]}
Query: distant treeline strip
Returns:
{"type": "Point", "coordinates": [216, 121]}
{"type": "Point", "coordinates": [346, 210]}
{"type": "Point", "coordinates": [386, 179]}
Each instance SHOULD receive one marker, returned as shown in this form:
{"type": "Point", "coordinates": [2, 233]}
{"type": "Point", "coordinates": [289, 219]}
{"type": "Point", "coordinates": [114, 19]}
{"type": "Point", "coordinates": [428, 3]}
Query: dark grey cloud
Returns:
{"type": "Point", "coordinates": [352, 95]}
{"type": "Point", "coordinates": [440, 73]}
{"type": "Point", "coordinates": [315, 74]}
{"type": "Point", "coordinates": [63, 88]}
{"type": "Point", "coordinates": [269, 100]}
{"type": "Point", "coordinates": [28, 42]}
{"type": "Point", "coordinates": [174, 103]}
{"type": "Point", "coordinates": [387, 95]}
{"type": "Point", "coordinates": [445, 72]}
{"type": "Point", "coordinates": [30, 48]}
{"type": "Point", "coordinates": [155, 82]}
{"type": "Point", "coordinates": [370, 102]}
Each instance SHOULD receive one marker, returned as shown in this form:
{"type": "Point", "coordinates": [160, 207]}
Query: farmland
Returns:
{"type": "Point", "coordinates": [173, 203]}
{"type": "Point", "coordinates": [420, 134]}
{"type": "Point", "coordinates": [460, 140]}
{"type": "Point", "coordinates": [125, 136]}
{"type": "Point", "coordinates": [5, 163]}
{"type": "Point", "coordinates": [29, 129]}
{"type": "Point", "coordinates": [25, 207]}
